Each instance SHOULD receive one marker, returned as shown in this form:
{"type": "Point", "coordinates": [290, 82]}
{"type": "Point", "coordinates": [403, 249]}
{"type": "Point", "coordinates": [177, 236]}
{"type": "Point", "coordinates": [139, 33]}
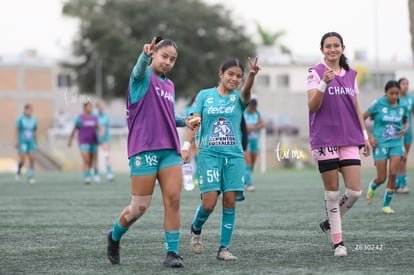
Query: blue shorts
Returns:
{"type": "Point", "coordinates": [381, 153]}
{"type": "Point", "coordinates": [150, 162]}
{"type": "Point", "coordinates": [408, 137]}
{"type": "Point", "coordinates": [26, 147]}
{"type": "Point", "coordinates": [220, 174]}
{"type": "Point", "coordinates": [91, 148]}
{"type": "Point", "coordinates": [253, 145]}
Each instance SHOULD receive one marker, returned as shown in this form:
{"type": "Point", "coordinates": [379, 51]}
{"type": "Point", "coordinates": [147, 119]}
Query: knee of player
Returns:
{"type": "Point", "coordinates": [353, 194]}
{"type": "Point", "coordinates": [208, 207]}
{"type": "Point", "coordinates": [173, 203]}
{"type": "Point", "coordinates": [138, 207]}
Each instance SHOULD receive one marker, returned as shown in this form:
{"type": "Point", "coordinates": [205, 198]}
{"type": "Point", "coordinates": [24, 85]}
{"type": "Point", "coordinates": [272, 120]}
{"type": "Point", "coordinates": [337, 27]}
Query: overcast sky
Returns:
{"type": "Point", "coordinates": [380, 27]}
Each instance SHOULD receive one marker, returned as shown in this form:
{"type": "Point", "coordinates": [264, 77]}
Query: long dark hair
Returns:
{"type": "Point", "coordinates": [391, 84]}
{"type": "Point", "coordinates": [343, 61]}
{"type": "Point", "coordinates": [231, 63]}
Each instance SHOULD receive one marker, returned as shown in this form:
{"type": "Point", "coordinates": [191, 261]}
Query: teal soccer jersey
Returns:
{"type": "Point", "coordinates": [221, 118]}
{"type": "Point", "coordinates": [409, 100]}
{"type": "Point", "coordinates": [27, 127]}
{"type": "Point", "coordinates": [388, 121]}
{"type": "Point", "coordinates": [252, 119]}
{"type": "Point", "coordinates": [103, 120]}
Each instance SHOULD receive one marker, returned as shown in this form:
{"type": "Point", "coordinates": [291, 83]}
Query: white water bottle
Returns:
{"type": "Point", "coordinates": [188, 176]}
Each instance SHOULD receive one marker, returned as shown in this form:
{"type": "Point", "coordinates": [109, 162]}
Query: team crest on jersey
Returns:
{"type": "Point", "coordinates": [384, 110]}
{"type": "Point", "coordinates": [222, 133]}
{"type": "Point", "coordinates": [232, 98]}
{"type": "Point", "coordinates": [401, 111]}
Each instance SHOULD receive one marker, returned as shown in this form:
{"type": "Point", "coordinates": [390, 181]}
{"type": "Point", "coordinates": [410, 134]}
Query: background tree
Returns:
{"type": "Point", "coordinates": [272, 39]}
{"type": "Point", "coordinates": [112, 32]}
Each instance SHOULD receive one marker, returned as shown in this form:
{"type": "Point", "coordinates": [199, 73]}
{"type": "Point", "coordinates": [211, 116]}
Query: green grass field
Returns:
{"type": "Point", "coordinates": [59, 226]}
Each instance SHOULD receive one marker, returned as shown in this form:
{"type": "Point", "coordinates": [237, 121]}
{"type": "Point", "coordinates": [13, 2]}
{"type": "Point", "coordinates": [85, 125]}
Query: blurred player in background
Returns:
{"type": "Point", "coordinates": [26, 126]}
{"type": "Point", "coordinates": [401, 183]}
{"type": "Point", "coordinates": [86, 124]}
{"type": "Point", "coordinates": [105, 139]}
{"type": "Point", "coordinates": [254, 123]}
{"type": "Point", "coordinates": [390, 125]}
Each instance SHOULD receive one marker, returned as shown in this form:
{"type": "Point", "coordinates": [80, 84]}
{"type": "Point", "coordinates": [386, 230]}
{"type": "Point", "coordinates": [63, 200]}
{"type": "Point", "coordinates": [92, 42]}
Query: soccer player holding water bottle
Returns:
{"type": "Point", "coordinates": [221, 159]}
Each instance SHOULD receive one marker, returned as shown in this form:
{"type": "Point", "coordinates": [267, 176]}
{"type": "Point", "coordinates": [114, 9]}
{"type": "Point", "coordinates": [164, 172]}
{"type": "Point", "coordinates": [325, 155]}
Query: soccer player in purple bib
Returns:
{"type": "Point", "coordinates": [154, 150]}
{"type": "Point", "coordinates": [336, 132]}
{"type": "Point", "coordinates": [87, 126]}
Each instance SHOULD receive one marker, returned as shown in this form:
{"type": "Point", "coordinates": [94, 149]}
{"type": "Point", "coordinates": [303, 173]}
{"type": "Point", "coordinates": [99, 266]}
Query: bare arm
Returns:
{"type": "Point", "coordinates": [362, 118]}
{"type": "Point", "coordinates": [315, 96]}
{"type": "Point", "coordinates": [189, 138]}
{"type": "Point", "coordinates": [248, 84]}
{"type": "Point", "coordinates": [17, 137]}
{"type": "Point", "coordinates": [72, 134]}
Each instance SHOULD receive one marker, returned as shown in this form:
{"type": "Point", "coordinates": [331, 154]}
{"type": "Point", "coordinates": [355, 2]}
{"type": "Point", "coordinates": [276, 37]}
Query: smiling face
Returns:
{"type": "Point", "coordinates": [332, 49]}
{"type": "Point", "coordinates": [163, 60]}
{"type": "Point", "coordinates": [231, 78]}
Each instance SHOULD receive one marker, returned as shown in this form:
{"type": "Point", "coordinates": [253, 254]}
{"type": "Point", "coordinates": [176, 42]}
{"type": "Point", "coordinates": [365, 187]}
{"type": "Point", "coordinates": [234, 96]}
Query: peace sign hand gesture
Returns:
{"type": "Point", "coordinates": [254, 68]}
{"type": "Point", "coordinates": [149, 48]}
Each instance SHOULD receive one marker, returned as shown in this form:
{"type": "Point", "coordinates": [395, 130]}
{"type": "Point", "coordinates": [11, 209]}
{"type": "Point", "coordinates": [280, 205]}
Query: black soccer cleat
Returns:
{"type": "Point", "coordinates": [173, 260]}
{"type": "Point", "coordinates": [113, 250]}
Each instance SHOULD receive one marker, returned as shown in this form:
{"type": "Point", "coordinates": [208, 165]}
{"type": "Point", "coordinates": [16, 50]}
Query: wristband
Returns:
{"type": "Point", "coordinates": [322, 86]}
{"type": "Point", "coordinates": [186, 146]}
{"type": "Point", "coordinates": [364, 132]}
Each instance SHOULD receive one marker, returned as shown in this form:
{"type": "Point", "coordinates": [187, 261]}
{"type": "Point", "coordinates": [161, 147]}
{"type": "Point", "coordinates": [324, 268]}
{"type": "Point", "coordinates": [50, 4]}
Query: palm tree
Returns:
{"type": "Point", "coordinates": [270, 39]}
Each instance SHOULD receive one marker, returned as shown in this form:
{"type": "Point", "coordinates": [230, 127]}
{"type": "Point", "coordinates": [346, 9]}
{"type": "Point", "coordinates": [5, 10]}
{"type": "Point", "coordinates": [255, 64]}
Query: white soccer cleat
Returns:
{"type": "Point", "coordinates": [340, 251]}
{"type": "Point", "coordinates": [97, 179]}
{"type": "Point", "coordinates": [17, 177]}
{"type": "Point", "coordinates": [225, 255]}
{"type": "Point", "coordinates": [32, 181]}
{"type": "Point", "coordinates": [405, 190]}
{"type": "Point", "coordinates": [195, 242]}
